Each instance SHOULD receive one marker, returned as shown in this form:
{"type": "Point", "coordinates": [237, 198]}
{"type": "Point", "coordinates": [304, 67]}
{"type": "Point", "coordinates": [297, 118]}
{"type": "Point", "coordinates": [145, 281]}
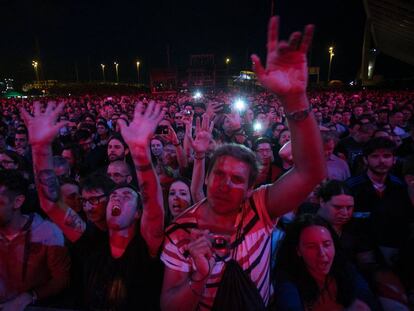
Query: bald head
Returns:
{"type": "Point", "coordinates": [119, 172]}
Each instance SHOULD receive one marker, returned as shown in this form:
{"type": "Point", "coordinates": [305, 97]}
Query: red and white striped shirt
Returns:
{"type": "Point", "coordinates": [253, 247]}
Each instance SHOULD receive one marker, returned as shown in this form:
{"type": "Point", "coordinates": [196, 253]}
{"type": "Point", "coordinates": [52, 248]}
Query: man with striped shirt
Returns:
{"type": "Point", "coordinates": [235, 221]}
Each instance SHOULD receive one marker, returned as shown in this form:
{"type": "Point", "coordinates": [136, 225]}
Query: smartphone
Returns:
{"type": "Point", "coordinates": [161, 130]}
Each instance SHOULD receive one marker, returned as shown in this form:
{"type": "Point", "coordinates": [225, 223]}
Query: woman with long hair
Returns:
{"type": "Point", "coordinates": [312, 273]}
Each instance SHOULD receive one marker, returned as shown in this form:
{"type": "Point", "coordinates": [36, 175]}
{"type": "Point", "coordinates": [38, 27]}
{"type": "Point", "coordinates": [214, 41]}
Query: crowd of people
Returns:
{"type": "Point", "coordinates": [297, 201]}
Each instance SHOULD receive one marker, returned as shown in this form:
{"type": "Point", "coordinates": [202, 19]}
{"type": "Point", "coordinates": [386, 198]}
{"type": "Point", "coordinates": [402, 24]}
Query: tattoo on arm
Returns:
{"type": "Point", "coordinates": [49, 184]}
{"type": "Point", "coordinates": [73, 221]}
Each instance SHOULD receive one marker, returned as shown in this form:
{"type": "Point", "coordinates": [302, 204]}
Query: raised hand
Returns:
{"type": "Point", "coordinates": [234, 119]}
{"type": "Point", "coordinates": [43, 126]}
{"type": "Point", "coordinates": [172, 136]}
{"type": "Point", "coordinates": [202, 135]}
{"type": "Point", "coordinates": [213, 108]}
{"type": "Point", "coordinates": [286, 71]}
{"type": "Point", "coordinates": [142, 127]}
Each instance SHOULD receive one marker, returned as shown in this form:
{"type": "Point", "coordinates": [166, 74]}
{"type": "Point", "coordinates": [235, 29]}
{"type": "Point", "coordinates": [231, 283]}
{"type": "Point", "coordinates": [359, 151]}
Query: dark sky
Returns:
{"type": "Point", "coordinates": [90, 32]}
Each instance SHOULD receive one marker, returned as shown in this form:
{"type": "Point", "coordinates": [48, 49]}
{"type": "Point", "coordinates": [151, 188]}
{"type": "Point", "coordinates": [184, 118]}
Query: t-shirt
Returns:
{"type": "Point", "coordinates": [252, 249]}
{"type": "Point", "coordinates": [131, 282]}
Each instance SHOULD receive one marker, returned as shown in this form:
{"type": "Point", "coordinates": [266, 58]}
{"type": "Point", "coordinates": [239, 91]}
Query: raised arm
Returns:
{"type": "Point", "coordinates": [43, 128]}
{"type": "Point", "coordinates": [200, 146]}
{"type": "Point", "coordinates": [181, 155]}
{"type": "Point", "coordinates": [286, 74]}
{"type": "Point", "coordinates": [137, 135]}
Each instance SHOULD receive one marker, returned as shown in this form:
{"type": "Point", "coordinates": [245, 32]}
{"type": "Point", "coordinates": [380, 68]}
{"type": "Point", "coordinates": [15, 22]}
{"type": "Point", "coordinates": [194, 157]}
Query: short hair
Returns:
{"type": "Point", "coordinates": [378, 143]}
{"type": "Point", "coordinates": [82, 134]}
{"type": "Point", "coordinates": [123, 164]}
{"type": "Point", "coordinates": [327, 136]}
{"type": "Point", "coordinates": [125, 185]}
{"type": "Point", "coordinates": [59, 161]}
{"type": "Point", "coordinates": [332, 188]}
{"type": "Point", "coordinates": [119, 138]}
{"type": "Point", "coordinates": [238, 152]}
{"type": "Point", "coordinates": [261, 140]}
{"type": "Point", "coordinates": [17, 158]}
{"type": "Point", "coordinates": [14, 182]}
{"type": "Point", "coordinates": [97, 181]}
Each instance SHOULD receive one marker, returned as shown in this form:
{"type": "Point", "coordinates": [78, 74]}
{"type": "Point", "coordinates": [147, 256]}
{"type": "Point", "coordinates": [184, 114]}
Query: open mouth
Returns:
{"type": "Point", "coordinates": [116, 210]}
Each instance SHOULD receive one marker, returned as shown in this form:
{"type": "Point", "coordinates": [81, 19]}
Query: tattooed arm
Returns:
{"type": "Point", "coordinates": [42, 129]}
{"type": "Point", "coordinates": [137, 135]}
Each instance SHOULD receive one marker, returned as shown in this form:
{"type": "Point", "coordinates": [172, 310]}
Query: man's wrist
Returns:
{"type": "Point", "coordinates": [294, 102]}
{"type": "Point", "coordinates": [199, 155]}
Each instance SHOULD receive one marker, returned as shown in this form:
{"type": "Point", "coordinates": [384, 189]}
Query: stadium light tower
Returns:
{"type": "Point", "coordinates": [331, 55]}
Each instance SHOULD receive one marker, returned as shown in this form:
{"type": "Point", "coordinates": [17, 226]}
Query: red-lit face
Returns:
{"type": "Point", "coordinates": [227, 185]}
{"type": "Point", "coordinates": [338, 210]}
{"type": "Point", "coordinates": [94, 202]}
{"type": "Point", "coordinates": [124, 199]}
{"type": "Point", "coordinates": [116, 150]}
{"type": "Point", "coordinates": [179, 198]}
{"type": "Point", "coordinates": [317, 249]}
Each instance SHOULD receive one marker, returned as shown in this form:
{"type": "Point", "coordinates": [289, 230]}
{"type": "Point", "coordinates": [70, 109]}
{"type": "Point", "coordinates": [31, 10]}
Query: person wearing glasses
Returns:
{"type": "Point", "coordinates": [112, 264]}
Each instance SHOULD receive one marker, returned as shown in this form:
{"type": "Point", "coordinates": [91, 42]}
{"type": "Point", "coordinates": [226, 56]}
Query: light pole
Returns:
{"type": "Point", "coordinates": [331, 55]}
{"type": "Point", "coordinates": [228, 61]}
{"type": "Point", "coordinates": [103, 72]}
{"type": "Point", "coordinates": [138, 63]}
{"type": "Point", "coordinates": [35, 65]}
{"type": "Point", "coordinates": [116, 71]}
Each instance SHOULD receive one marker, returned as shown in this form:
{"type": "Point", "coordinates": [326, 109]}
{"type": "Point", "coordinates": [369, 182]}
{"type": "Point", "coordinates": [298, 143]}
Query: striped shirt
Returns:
{"type": "Point", "coordinates": [252, 253]}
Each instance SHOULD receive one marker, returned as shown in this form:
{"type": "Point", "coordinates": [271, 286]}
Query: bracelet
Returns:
{"type": "Point", "coordinates": [199, 157]}
{"type": "Point", "coordinates": [190, 283]}
{"type": "Point", "coordinates": [299, 115]}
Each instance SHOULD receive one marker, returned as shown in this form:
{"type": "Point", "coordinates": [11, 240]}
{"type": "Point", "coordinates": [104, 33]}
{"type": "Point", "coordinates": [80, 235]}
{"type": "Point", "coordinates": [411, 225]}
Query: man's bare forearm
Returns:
{"type": "Point", "coordinates": [48, 190]}
{"type": "Point", "coordinates": [152, 222]}
{"type": "Point", "coordinates": [306, 140]}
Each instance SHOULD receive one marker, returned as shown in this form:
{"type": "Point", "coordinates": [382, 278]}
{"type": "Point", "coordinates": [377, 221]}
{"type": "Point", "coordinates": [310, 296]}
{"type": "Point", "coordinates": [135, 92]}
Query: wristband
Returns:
{"type": "Point", "coordinates": [299, 115]}
{"type": "Point", "coordinates": [199, 157]}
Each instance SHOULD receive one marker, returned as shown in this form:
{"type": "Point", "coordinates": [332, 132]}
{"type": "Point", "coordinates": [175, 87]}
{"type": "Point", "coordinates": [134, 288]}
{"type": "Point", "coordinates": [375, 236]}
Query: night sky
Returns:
{"type": "Point", "coordinates": [62, 33]}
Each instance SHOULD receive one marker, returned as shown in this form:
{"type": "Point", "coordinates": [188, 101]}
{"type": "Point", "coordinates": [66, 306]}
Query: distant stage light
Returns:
{"type": "Point", "coordinates": [197, 95]}
{"type": "Point", "coordinates": [240, 105]}
{"type": "Point", "coordinates": [257, 126]}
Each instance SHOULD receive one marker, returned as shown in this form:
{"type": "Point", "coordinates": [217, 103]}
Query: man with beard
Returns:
{"type": "Point", "coordinates": [383, 213]}
{"type": "Point", "coordinates": [117, 149]}
{"type": "Point", "coordinates": [114, 271]}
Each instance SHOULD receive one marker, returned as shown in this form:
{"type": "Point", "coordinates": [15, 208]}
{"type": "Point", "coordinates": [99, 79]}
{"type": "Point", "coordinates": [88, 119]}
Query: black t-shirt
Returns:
{"type": "Point", "coordinates": [131, 282]}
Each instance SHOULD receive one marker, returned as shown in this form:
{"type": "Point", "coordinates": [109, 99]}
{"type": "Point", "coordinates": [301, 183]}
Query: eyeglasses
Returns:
{"type": "Point", "coordinates": [93, 200]}
{"type": "Point", "coordinates": [116, 175]}
{"type": "Point", "coordinates": [6, 162]}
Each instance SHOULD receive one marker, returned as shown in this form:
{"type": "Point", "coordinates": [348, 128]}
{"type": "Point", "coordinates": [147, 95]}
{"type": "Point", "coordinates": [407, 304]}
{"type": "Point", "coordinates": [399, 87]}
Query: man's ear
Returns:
{"type": "Point", "coordinates": [365, 160]}
{"type": "Point", "coordinates": [18, 201]}
{"type": "Point", "coordinates": [129, 179]}
{"type": "Point", "coordinates": [126, 151]}
{"type": "Point", "coordinates": [298, 252]}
